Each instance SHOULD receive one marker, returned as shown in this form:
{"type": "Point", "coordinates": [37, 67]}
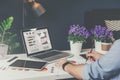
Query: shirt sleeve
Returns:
{"type": "Point", "coordinates": [106, 67]}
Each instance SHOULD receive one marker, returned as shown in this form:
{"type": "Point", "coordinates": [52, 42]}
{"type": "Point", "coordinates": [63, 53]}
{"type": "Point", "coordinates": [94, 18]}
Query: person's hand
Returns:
{"type": "Point", "coordinates": [93, 56]}
{"type": "Point", "coordinates": [60, 62]}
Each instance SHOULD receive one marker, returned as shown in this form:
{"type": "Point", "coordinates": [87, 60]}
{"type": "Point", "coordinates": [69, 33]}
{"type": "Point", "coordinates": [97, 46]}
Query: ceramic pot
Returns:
{"type": "Point", "coordinates": [75, 48]}
{"type": "Point", "coordinates": [3, 50]}
{"type": "Point", "coordinates": [98, 46]}
{"type": "Point", "coordinates": [106, 46]}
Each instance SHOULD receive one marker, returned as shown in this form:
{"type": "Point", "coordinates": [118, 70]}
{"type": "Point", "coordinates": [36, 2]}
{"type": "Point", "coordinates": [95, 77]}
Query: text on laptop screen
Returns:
{"type": "Point", "coordinates": [37, 40]}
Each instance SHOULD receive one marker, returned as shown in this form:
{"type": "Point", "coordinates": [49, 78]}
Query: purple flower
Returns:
{"type": "Point", "coordinates": [99, 32]}
{"type": "Point", "coordinates": [77, 33]}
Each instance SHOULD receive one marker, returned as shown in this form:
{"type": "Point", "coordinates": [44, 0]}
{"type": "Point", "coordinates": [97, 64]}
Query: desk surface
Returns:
{"type": "Point", "coordinates": [52, 73]}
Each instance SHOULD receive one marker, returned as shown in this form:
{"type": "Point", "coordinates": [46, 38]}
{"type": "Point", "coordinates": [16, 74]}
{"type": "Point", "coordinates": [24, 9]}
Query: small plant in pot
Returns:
{"type": "Point", "coordinates": [77, 35]}
{"type": "Point", "coordinates": [7, 43]}
{"type": "Point", "coordinates": [102, 37]}
{"type": "Point", "coordinates": [107, 40]}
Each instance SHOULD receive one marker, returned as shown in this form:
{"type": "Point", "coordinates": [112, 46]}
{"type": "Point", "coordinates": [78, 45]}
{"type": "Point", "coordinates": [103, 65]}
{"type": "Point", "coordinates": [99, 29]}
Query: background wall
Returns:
{"type": "Point", "coordinates": [63, 13]}
{"type": "Point", "coordinates": [13, 8]}
{"type": "Point", "coordinates": [60, 14]}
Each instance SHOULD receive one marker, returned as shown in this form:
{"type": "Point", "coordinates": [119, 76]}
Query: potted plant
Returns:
{"type": "Point", "coordinates": [106, 40]}
{"type": "Point", "coordinates": [77, 35]}
{"type": "Point", "coordinates": [6, 37]}
{"type": "Point", "coordinates": [101, 34]}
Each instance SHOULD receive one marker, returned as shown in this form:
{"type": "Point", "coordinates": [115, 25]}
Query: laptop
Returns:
{"type": "Point", "coordinates": [38, 45]}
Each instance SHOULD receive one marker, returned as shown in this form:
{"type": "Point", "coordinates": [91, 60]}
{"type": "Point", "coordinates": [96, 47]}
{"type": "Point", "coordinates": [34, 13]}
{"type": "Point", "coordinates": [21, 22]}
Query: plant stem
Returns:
{"type": "Point", "coordinates": [3, 37]}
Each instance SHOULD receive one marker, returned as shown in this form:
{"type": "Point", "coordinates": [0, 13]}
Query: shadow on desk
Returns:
{"type": "Point", "coordinates": [68, 79]}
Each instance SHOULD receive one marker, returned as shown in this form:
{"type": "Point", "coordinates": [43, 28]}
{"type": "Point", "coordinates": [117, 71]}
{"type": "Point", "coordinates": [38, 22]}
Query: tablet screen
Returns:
{"type": "Point", "coordinates": [28, 64]}
{"type": "Point", "coordinates": [83, 55]}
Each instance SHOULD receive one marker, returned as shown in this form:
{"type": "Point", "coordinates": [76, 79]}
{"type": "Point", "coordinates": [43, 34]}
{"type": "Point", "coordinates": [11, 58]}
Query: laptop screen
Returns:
{"type": "Point", "coordinates": [37, 40]}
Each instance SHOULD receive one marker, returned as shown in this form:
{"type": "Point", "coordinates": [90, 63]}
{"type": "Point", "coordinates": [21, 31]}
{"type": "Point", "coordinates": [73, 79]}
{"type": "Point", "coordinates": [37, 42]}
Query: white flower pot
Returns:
{"type": "Point", "coordinates": [3, 50]}
{"type": "Point", "coordinates": [98, 46]}
{"type": "Point", "coordinates": [75, 48]}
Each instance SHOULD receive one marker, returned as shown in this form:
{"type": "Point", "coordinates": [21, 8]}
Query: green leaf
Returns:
{"type": "Point", "coordinates": [3, 25]}
{"type": "Point", "coordinates": [9, 22]}
{"type": "Point", "coordinates": [8, 33]}
{"type": "Point", "coordinates": [13, 47]}
{"type": "Point", "coordinates": [6, 24]}
{"type": "Point", "coordinates": [1, 28]}
{"type": "Point", "coordinates": [10, 38]}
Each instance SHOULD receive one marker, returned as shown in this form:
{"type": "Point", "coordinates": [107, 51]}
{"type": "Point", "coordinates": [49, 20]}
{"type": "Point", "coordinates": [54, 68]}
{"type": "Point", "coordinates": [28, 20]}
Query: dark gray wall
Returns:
{"type": "Point", "coordinates": [60, 14]}
{"type": "Point", "coordinates": [63, 13]}
{"type": "Point", "coordinates": [13, 8]}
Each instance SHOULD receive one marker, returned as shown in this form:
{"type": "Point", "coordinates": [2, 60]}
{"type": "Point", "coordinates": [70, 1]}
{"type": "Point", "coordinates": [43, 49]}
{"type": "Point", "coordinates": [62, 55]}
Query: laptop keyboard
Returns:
{"type": "Point", "coordinates": [49, 54]}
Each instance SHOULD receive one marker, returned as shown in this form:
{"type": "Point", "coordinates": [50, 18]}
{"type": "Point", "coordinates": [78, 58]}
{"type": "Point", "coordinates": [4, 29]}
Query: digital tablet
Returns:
{"type": "Point", "coordinates": [28, 64]}
{"type": "Point", "coordinates": [83, 55]}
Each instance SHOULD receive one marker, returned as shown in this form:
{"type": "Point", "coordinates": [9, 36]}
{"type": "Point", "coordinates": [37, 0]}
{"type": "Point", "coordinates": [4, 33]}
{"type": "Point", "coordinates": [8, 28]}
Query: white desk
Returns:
{"type": "Point", "coordinates": [8, 74]}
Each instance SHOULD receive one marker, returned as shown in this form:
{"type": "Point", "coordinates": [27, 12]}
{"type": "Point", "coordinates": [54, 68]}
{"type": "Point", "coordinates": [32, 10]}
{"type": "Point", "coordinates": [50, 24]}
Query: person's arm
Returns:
{"type": "Point", "coordinates": [103, 69]}
{"type": "Point", "coordinates": [75, 70]}
{"type": "Point", "coordinates": [93, 56]}
{"type": "Point", "coordinates": [106, 67]}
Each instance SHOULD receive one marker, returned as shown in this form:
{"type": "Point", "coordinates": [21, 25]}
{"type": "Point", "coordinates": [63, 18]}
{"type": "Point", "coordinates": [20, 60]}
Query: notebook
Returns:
{"type": "Point", "coordinates": [38, 45]}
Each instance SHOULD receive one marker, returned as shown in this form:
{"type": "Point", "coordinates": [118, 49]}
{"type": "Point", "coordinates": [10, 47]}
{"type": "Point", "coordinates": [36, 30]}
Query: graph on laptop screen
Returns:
{"type": "Point", "coordinates": [37, 40]}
